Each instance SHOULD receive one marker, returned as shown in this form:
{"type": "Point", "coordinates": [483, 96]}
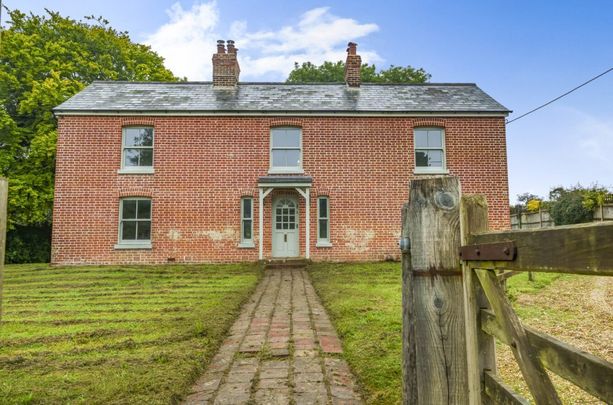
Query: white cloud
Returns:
{"type": "Point", "coordinates": [187, 42]}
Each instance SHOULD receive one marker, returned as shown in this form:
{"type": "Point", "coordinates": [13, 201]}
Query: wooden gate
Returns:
{"type": "Point", "coordinates": [454, 305]}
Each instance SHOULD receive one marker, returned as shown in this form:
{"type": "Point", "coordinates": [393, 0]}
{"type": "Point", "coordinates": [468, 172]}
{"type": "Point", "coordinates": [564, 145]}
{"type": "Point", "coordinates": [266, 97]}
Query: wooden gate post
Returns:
{"type": "Point", "coordinates": [480, 347]}
{"type": "Point", "coordinates": [4, 191]}
{"type": "Point", "coordinates": [434, 342]}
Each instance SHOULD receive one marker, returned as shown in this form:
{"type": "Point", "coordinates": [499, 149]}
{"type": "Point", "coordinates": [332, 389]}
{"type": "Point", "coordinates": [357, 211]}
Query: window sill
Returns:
{"type": "Point", "coordinates": [140, 170]}
{"type": "Point", "coordinates": [323, 244]}
{"type": "Point", "coordinates": [286, 171]}
{"type": "Point", "coordinates": [425, 170]}
{"type": "Point", "coordinates": [124, 246]}
{"type": "Point", "coordinates": [246, 245]}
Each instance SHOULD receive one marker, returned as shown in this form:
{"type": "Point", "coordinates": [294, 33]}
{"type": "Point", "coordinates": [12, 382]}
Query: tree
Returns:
{"type": "Point", "coordinates": [595, 199]}
{"type": "Point", "coordinates": [308, 72]}
{"type": "Point", "coordinates": [44, 60]}
{"type": "Point", "coordinates": [534, 205]}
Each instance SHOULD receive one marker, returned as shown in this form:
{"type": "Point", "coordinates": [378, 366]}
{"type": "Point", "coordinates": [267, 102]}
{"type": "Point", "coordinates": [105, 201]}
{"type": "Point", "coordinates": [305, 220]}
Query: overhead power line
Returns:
{"type": "Point", "coordinates": [559, 97]}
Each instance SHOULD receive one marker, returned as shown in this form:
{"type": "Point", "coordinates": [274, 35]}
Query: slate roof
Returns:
{"type": "Point", "coordinates": [201, 97]}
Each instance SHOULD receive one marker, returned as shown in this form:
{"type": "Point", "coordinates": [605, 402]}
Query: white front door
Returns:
{"type": "Point", "coordinates": [285, 228]}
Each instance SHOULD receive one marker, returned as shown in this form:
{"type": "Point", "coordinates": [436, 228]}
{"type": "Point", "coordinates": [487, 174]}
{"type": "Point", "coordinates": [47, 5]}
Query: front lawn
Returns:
{"type": "Point", "coordinates": [364, 302]}
{"type": "Point", "coordinates": [129, 334]}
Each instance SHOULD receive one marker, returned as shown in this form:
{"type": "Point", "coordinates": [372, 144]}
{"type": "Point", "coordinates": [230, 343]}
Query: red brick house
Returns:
{"type": "Point", "coordinates": [231, 171]}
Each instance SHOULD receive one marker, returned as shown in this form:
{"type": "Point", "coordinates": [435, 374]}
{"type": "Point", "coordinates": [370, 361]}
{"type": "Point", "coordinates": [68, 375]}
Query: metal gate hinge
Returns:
{"type": "Point", "coordinates": [501, 251]}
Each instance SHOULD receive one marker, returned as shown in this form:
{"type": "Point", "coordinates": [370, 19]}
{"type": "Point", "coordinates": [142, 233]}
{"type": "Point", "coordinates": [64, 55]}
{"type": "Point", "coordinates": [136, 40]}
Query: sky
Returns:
{"type": "Point", "coordinates": [523, 53]}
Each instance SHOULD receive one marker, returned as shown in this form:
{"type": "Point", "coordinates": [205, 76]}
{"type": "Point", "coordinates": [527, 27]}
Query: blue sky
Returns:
{"type": "Point", "coordinates": [523, 53]}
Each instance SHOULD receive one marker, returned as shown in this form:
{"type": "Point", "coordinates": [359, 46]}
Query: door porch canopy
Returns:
{"type": "Point", "coordinates": [302, 184]}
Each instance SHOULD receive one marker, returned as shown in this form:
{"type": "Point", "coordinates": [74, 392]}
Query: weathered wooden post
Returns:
{"type": "Point", "coordinates": [434, 342]}
{"type": "Point", "coordinates": [480, 347]}
{"type": "Point", "coordinates": [4, 191]}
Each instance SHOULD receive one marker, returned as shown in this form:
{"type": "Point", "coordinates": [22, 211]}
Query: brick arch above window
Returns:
{"type": "Point", "coordinates": [286, 122]}
{"type": "Point", "coordinates": [322, 192]}
{"type": "Point", "coordinates": [248, 192]}
{"type": "Point", "coordinates": [135, 192]}
{"type": "Point", "coordinates": [133, 122]}
{"type": "Point", "coordinates": [429, 123]}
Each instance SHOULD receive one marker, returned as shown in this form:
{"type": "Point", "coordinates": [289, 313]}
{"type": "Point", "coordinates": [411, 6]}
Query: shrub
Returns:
{"type": "Point", "coordinates": [28, 244]}
{"type": "Point", "coordinates": [568, 207]}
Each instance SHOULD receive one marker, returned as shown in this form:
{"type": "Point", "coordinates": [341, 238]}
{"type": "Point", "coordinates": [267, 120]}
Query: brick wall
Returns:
{"type": "Point", "coordinates": [204, 165]}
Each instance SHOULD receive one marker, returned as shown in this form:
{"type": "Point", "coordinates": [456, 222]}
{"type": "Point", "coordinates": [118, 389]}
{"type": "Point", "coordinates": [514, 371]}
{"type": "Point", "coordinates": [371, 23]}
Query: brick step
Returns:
{"type": "Point", "coordinates": [286, 263]}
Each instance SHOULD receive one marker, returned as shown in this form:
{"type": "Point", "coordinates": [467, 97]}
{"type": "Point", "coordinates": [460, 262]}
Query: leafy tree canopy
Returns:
{"type": "Point", "coordinates": [44, 60]}
{"type": "Point", "coordinates": [308, 72]}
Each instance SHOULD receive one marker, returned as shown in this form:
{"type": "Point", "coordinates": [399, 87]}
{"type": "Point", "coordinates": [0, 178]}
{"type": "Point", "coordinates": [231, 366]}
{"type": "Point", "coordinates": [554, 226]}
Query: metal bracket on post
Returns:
{"type": "Point", "coordinates": [404, 244]}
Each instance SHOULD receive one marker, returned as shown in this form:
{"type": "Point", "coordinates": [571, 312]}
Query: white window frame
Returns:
{"type": "Point", "coordinates": [246, 243]}
{"type": "Point", "coordinates": [133, 244]}
{"type": "Point", "coordinates": [290, 169]}
{"type": "Point", "coordinates": [136, 169]}
{"type": "Point", "coordinates": [430, 170]}
{"type": "Point", "coordinates": [327, 241]}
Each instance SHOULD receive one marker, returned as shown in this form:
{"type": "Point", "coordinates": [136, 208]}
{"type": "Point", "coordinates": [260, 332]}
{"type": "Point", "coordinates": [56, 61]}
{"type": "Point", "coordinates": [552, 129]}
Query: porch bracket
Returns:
{"type": "Point", "coordinates": [263, 194]}
{"type": "Point", "coordinates": [306, 193]}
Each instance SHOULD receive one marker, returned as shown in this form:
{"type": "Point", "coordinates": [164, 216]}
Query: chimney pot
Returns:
{"type": "Point", "coordinates": [352, 48]}
{"type": "Point", "coordinates": [231, 47]}
{"type": "Point", "coordinates": [221, 48]}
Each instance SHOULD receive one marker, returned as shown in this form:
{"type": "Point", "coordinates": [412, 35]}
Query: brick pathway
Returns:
{"type": "Point", "coordinates": [282, 349]}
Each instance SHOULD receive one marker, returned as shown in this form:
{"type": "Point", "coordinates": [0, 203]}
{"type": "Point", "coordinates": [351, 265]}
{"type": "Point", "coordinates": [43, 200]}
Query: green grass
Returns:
{"type": "Point", "coordinates": [520, 284]}
{"type": "Point", "coordinates": [364, 302]}
{"type": "Point", "coordinates": [133, 334]}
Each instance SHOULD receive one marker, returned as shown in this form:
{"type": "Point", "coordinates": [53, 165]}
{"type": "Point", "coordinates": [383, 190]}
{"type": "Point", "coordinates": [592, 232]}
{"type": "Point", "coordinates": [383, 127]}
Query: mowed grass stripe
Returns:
{"type": "Point", "coordinates": [63, 349]}
{"type": "Point", "coordinates": [77, 334]}
{"type": "Point", "coordinates": [145, 302]}
{"type": "Point", "coordinates": [52, 282]}
{"type": "Point", "coordinates": [70, 272]}
{"type": "Point", "coordinates": [31, 314]}
{"type": "Point", "coordinates": [184, 270]}
{"type": "Point", "coordinates": [45, 362]}
{"type": "Point", "coordinates": [113, 293]}
{"type": "Point", "coordinates": [145, 317]}
{"type": "Point", "coordinates": [18, 330]}
{"type": "Point", "coordinates": [72, 296]}
{"type": "Point", "coordinates": [111, 282]}
{"type": "Point", "coordinates": [128, 284]}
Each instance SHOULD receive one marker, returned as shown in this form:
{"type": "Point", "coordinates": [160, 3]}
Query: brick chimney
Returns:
{"type": "Point", "coordinates": [352, 66]}
{"type": "Point", "coordinates": [225, 65]}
